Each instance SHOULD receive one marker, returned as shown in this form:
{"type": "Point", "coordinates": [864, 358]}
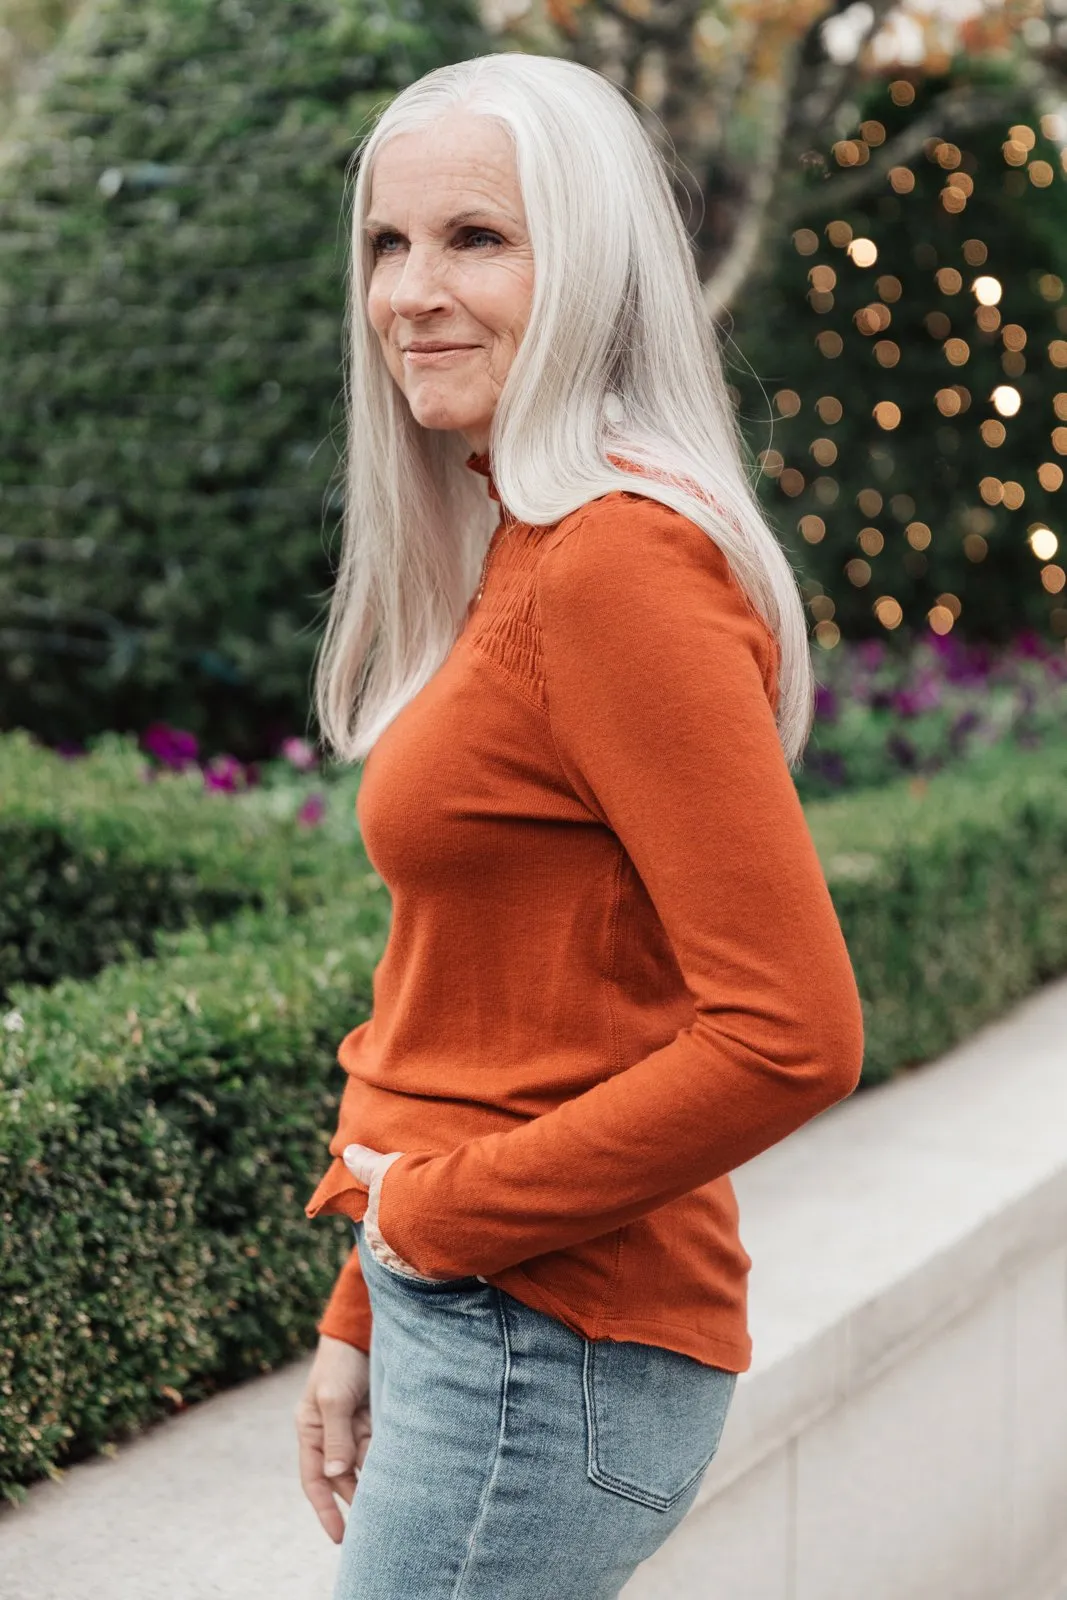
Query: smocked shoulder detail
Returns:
{"type": "Point", "coordinates": [505, 626]}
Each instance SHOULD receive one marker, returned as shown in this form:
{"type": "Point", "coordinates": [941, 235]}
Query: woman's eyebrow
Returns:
{"type": "Point", "coordinates": [475, 213]}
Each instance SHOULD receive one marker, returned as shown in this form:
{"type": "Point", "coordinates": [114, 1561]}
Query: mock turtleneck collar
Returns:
{"type": "Point", "coordinates": [478, 461]}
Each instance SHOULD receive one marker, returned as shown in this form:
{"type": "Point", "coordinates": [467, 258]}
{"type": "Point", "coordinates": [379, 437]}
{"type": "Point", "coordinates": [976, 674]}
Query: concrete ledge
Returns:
{"type": "Point", "coordinates": [903, 1430]}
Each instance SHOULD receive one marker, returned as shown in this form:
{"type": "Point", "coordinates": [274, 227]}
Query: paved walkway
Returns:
{"type": "Point", "coordinates": [205, 1506]}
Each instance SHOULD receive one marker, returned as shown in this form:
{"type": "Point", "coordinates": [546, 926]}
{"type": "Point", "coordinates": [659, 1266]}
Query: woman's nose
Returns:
{"type": "Point", "coordinates": [421, 286]}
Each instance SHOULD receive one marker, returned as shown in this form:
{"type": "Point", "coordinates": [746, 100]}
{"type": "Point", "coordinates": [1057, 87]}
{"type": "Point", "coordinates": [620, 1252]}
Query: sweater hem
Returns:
{"type": "Point", "coordinates": [730, 1354]}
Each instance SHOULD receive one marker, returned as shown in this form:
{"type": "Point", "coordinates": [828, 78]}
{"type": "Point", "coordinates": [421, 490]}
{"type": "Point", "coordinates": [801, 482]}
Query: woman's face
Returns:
{"type": "Point", "coordinates": [452, 266]}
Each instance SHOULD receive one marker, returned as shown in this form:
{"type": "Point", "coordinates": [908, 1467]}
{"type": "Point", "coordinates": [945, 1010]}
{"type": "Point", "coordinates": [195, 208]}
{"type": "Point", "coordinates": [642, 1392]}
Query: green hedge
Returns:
{"type": "Point", "coordinates": [172, 290]}
{"type": "Point", "coordinates": [94, 859]}
{"type": "Point", "coordinates": [162, 1125]}
{"type": "Point", "coordinates": [160, 1130]}
{"type": "Point", "coordinates": [952, 895]}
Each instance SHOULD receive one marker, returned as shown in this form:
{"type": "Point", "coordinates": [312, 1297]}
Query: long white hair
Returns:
{"type": "Point", "coordinates": [619, 355]}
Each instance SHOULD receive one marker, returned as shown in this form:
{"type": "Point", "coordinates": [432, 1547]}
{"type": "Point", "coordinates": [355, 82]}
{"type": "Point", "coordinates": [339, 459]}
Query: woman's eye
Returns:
{"type": "Point", "coordinates": [482, 233]}
{"type": "Point", "coordinates": [379, 241]}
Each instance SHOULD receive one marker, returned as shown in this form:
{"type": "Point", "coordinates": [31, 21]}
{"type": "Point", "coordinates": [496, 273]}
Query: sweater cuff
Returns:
{"type": "Point", "coordinates": [347, 1314]}
{"type": "Point", "coordinates": [406, 1223]}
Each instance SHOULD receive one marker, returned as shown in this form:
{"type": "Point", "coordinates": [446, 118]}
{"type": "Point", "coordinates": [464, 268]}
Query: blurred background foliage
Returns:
{"type": "Point", "coordinates": [172, 251]}
{"type": "Point", "coordinates": [171, 300]}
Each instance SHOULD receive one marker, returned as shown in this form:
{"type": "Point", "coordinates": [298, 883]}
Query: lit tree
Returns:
{"type": "Point", "coordinates": [749, 94]}
{"type": "Point", "coordinates": [915, 352]}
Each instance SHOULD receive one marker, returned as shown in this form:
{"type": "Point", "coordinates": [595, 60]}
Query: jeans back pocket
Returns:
{"type": "Point", "coordinates": [654, 1418]}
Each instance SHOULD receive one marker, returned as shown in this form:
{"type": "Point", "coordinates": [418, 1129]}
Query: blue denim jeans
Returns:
{"type": "Point", "coordinates": [512, 1458]}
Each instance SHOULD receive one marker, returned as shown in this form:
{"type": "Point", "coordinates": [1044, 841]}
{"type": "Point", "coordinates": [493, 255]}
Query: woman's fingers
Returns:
{"type": "Point", "coordinates": [319, 1489]}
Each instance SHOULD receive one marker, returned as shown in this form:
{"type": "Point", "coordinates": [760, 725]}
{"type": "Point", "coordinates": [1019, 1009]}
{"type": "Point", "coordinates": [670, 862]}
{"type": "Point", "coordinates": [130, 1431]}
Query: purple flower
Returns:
{"type": "Point", "coordinates": [825, 703]}
{"type": "Point", "coordinates": [901, 750]}
{"type": "Point", "coordinates": [69, 750]}
{"type": "Point", "coordinates": [300, 754]}
{"type": "Point", "coordinates": [172, 747]}
{"type": "Point", "coordinates": [871, 653]}
{"type": "Point", "coordinates": [312, 811]}
{"type": "Point", "coordinates": [224, 773]}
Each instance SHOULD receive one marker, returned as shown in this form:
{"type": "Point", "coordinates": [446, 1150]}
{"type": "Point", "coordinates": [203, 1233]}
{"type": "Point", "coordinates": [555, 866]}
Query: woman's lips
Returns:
{"type": "Point", "coordinates": [426, 358]}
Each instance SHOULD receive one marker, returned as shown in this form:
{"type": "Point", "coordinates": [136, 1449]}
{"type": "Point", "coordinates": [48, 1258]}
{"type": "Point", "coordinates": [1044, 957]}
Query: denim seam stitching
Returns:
{"type": "Point", "coordinates": [490, 1481]}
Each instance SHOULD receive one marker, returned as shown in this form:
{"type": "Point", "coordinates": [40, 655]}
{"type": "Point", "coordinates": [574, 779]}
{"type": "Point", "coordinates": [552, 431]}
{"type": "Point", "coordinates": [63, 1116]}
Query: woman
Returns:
{"type": "Point", "coordinates": [614, 971]}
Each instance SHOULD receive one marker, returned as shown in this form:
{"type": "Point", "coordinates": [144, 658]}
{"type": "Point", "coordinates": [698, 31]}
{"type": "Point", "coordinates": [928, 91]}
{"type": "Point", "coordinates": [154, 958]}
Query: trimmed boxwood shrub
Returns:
{"type": "Point", "coordinates": [162, 1125]}
{"type": "Point", "coordinates": [160, 1130]}
{"type": "Point", "coordinates": [94, 859]}
{"type": "Point", "coordinates": [952, 894]}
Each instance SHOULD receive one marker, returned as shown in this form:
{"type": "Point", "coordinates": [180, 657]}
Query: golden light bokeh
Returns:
{"type": "Point", "coordinates": [787, 402]}
{"type": "Point", "coordinates": [873, 132]}
{"type": "Point", "coordinates": [991, 490]}
{"type": "Point", "coordinates": [1050, 476]}
{"type": "Point", "coordinates": [1043, 542]}
{"type": "Point", "coordinates": [975, 252]}
{"type": "Point", "coordinates": [1040, 174]}
{"type": "Point", "coordinates": [831, 410]}
{"type": "Point", "coordinates": [1006, 399]}
{"type": "Point", "coordinates": [902, 179]}
{"type": "Point", "coordinates": [948, 402]}
{"type": "Point", "coordinates": [805, 242]}
{"type": "Point", "coordinates": [827, 635]}
{"type": "Point", "coordinates": [1053, 579]}
{"type": "Point", "coordinates": [771, 462]}
{"type": "Point", "coordinates": [975, 548]}
{"type": "Point", "coordinates": [954, 200]}
{"type": "Point", "coordinates": [1059, 405]}
{"type": "Point", "coordinates": [830, 343]}
{"type": "Point", "coordinates": [839, 233]}
{"type": "Point", "coordinates": [987, 318]}
{"type": "Point", "coordinates": [940, 619]}
{"type": "Point", "coordinates": [824, 451]}
{"type": "Point", "coordinates": [949, 281]}
{"type": "Point", "coordinates": [1023, 134]}
{"type": "Point", "coordinates": [1014, 152]}
{"type": "Point", "coordinates": [1014, 494]}
{"type": "Point", "coordinates": [993, 433]}
{"type": "Point", "coordinates": [901, 92]}
{"type": "Point", "coordinates": [1014, 336]}
{"type": "Point", "coordinates": [951, 602]}
{"type": "Point", "coordinates": [887, 353]}
{"type": "Point", "coordinates": [887, 414]}
{"type": "Point", "coordinates": [823, 279]}
{"type": "Point", "coordinates": [918, 535]}
{"type": "Point", "coordinates": [889, 287]}
{"type": "Point", "coordinates": [957, 351]}
{"type": "Point", "coordinates": [1057, 352]}
{"type": "Point", "coordinates": [888, 611]}
{"type": "Point", "coordinates": [1059, 441]}
{"type": "Point", "coordinates": [864, 252]}
{"type": "Point", "coordinates": [1049, 286]}
{"type": "Point", "coordinates": [792, 482]}
{"type": "Point", "coordinates": [871, 541]}
{"type": "Point", "coordinates": [858, 572]}
{"type": "Point", "coordinates": [987, 290]}
{"type": "Point", "coordinates": [812, 528]}
{"type": "Point", "coordinates": [869, 501]}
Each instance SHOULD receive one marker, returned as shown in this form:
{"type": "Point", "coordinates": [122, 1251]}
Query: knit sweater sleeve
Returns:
{"type": "Point", "coordinates": [347, 1312]}
{"type": "Point", "coordinates": [660, 682]}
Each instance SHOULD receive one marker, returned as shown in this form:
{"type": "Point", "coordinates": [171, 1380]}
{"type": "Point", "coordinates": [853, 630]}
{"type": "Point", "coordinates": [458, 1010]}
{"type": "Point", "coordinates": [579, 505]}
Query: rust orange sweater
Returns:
{"type": "Point", "coordinates": [614, 971]}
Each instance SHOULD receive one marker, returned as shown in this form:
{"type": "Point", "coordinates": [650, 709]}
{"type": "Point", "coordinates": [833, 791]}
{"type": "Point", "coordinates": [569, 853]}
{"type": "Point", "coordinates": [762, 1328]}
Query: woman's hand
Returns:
{"type": "Point", "coordinates": [333, 1425]}
{"type": "Point", "coordinates": [370, 1167]}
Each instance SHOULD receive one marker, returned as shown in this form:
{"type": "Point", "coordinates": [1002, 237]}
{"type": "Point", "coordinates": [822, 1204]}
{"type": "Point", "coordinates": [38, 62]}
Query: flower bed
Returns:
{"type": "Point", "coordinates": [882, 715]}
{"type": "Point", "coordinates": [98, 854]}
